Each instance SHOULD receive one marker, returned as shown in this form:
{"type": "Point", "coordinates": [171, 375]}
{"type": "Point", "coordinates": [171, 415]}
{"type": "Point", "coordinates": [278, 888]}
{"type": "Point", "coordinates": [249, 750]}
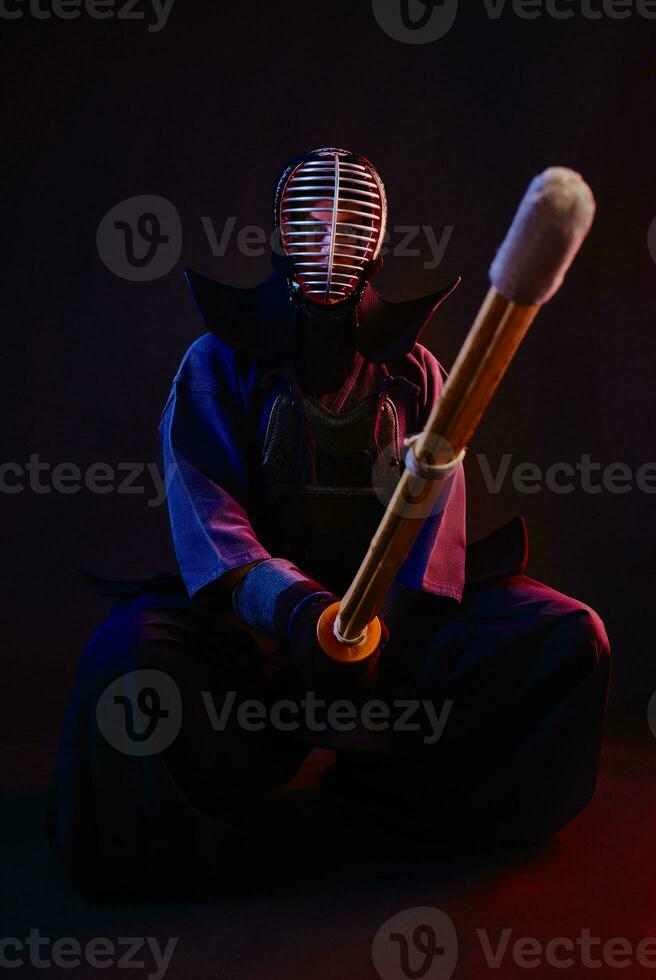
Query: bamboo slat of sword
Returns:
{"type": "Point", "coordinates": [485, 356]}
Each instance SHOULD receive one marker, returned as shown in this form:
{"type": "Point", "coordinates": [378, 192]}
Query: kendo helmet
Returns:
{"type": "Point", "coordinates": [330, 214]}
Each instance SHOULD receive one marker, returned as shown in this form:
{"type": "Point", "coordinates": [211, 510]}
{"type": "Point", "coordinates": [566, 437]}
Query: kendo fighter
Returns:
{"type": "Point", "coordinates": [284, 421]}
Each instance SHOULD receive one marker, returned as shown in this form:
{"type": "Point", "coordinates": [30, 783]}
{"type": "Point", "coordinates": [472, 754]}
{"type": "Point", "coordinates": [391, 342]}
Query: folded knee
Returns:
{"type": "Point", "coordinates": [585, 634]}
{"type": "Point", "coordinates": [126, 640]}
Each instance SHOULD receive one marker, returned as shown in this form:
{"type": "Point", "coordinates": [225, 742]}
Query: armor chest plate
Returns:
{"type": "Point", "coordinates": [324, 477]}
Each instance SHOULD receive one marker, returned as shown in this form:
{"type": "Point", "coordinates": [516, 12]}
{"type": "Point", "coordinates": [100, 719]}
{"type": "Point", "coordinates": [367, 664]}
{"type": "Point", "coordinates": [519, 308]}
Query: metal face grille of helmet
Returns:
{"type": "Point", "coordinates": [332, 214]}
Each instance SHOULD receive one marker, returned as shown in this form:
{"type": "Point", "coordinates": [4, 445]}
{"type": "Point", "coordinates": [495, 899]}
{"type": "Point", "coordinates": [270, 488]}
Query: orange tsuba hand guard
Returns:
{"type": "Point", "coordinates": [342, 652]}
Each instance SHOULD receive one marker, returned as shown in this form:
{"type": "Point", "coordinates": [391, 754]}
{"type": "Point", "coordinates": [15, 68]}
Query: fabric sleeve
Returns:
{"type": "Point", "coordinates": [202, 436]}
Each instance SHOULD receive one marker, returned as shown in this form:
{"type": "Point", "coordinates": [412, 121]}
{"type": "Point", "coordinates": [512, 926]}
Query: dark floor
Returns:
{"type": "Point", "coordinates": [342, 882]}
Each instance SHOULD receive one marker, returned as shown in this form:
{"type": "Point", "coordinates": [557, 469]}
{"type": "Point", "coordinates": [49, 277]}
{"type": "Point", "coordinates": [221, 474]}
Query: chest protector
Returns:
{"type": "Point", "coordinates": [325, 481]}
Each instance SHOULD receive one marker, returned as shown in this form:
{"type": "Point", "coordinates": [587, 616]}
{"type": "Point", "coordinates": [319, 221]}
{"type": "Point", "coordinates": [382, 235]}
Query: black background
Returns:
{"type": "Point", "coordinates": [205, 113]}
